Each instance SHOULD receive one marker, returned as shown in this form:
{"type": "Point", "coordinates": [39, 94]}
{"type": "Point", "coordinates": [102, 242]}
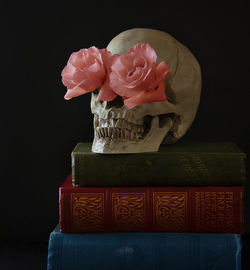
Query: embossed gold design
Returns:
{"type": "Point", "coordinates": [128, 211]}
{"type": "Point", "coordinates": [170, 211]}
{"type": "Point", "coordinates": [87, 212]}
{"type": "Point", "coordinates": [214, 211]}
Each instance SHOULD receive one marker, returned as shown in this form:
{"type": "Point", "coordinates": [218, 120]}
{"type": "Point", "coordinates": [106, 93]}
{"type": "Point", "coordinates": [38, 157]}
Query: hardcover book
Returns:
{"type": "Point", "coordinates": [182, 164]}
{"type": "Point", "coordinates": [144, 251]}
{"type": "Point", "coordinates": [216, 209]}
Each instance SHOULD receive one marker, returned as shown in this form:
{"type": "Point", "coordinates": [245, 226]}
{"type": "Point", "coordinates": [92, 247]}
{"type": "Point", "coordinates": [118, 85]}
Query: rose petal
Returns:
{"type": "Point", "coordinates": [117, 84]}
{"type": "Point", "coordinates": [134, 71]}
{"type": "Point", "coordinates": [144, 50]}
{"type": "Point", "coordinates": [71, 76]}
{"type": "Point", "coordinates": [147, 76]}
{"type": "Point", "coordinates": [106, 93]}
{"type": "Point", "coordinates": [106, 55]}
{"type": "Point", "coordinates": [147, 97]}
{"type": "Point", "coordinates": [127, 59]}
{"type": "Point", "coordinates": [118, 68]}
{"type": "Point", "coordinates": [90, 85]}
{"type": "Point", "coordinates": [131, 89]}
{"type": "Point", "coordinates": [91, 55]}
{"type": "Point", "coordinates": [95, 52]}
{"type": "Point", "coordinates": [75, 92]}
{"type": "Point", "coordinates": [162, 72]}
{"type": "Point", "coordinates": [95, 67]}
{"type": "Point", "coordinates": [75, 59]}
{"type": "Point", "coordinates": [85, 71]}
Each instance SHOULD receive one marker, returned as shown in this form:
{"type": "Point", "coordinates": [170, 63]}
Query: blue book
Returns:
{"type": "Point", "coordinates": [144, 251]}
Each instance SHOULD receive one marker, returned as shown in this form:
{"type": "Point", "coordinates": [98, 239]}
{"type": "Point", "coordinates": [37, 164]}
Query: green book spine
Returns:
{"type": "Point", "coordinates": [181, 164]}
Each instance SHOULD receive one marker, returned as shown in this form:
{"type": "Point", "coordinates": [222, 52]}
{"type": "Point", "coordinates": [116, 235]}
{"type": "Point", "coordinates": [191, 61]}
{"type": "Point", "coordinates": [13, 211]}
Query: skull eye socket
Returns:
{"type": "Point", "coordinates": [96, 92]}
{"type": "Point", "coordinates": [171, 97]}
{"type": "Point", "coordinates": [117, 102]}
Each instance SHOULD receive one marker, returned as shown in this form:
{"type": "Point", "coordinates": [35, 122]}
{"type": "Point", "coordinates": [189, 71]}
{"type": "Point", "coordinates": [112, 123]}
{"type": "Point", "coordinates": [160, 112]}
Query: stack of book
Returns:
{"type": "Point", "coordinates": [179, 208]}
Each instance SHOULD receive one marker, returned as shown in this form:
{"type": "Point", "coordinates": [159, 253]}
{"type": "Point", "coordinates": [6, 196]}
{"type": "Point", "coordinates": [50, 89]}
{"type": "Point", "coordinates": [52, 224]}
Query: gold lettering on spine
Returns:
{"type": "Point", "coordinates": [200, 165]}
{"type": "Point", "coordinates": [129, 211]}
{"type": "Point", "coordinates": [214, 211]}
{"type": "Point", "coordinates": [87, 212]}
{"type": "Point", "coordinates": [198, 210]}
{"type": "Point", "coordinates": [188, 167]}
{"type": "Point", "coordinates": [194, 166]}
{"type": "Point", "coordinates": [170, 211]}
{"type": "Point", "coordinates": [229, 211]}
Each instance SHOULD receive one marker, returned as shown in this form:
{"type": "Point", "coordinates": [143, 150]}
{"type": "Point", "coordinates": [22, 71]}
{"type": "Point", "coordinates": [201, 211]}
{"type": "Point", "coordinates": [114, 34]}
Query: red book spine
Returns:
{"type": "Point", "coordinates": [199, 209]}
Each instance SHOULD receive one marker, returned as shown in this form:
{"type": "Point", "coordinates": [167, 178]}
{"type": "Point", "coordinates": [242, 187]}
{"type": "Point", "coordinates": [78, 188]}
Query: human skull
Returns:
{"type": "Point", "coordinates": [144, 127]}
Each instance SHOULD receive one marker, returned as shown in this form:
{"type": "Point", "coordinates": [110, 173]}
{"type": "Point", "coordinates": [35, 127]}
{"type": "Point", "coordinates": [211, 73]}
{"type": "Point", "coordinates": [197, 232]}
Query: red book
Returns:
{"type": "Point", "coordinates": [199, 209]}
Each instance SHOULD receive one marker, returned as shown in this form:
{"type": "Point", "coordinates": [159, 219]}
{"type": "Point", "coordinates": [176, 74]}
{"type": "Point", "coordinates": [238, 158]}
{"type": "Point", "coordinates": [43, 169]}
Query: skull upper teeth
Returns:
{"type": "Point", "coordinates": [120, 129]}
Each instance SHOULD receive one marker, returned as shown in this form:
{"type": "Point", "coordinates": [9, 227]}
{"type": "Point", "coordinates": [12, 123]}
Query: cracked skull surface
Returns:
{"type": "Point", "coordinates": [144, 127]}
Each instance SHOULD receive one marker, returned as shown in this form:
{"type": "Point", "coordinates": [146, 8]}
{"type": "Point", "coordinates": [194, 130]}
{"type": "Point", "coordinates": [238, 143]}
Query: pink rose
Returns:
{"type": "Point", "coordinates": [106, 93]}
{"type": "Point", "coordinates": [85, 71]}
{"type": "Point", "coordinates": [137, 78]}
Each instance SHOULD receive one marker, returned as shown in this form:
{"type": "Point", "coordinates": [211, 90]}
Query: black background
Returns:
{"type": "Point", "coordinates": [39, 128]}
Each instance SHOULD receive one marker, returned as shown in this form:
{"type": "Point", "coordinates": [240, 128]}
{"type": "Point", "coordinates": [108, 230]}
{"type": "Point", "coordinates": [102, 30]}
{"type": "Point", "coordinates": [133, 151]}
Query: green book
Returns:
{"type": "Point", "coordinates": [180, 164]}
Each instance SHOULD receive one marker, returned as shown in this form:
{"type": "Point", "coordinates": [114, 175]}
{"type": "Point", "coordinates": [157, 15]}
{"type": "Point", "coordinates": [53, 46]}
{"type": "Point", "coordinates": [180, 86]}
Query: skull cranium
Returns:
{"type": "Point", "coordinates": [144, 127]}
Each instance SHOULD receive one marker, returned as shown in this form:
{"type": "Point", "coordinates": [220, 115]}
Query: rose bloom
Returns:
{"type": "Point", "coordinates": [85, 71]}
{"type": "Point", "coordinates": [137, 78]}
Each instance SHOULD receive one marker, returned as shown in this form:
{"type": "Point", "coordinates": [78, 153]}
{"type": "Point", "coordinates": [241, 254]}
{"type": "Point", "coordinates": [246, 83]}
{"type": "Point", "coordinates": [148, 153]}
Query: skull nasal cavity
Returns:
{"type": "Point", "coordinates": [117, 102]}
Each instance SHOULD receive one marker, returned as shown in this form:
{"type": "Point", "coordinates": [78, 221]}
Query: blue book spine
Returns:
{"type": "Point", "coordinates": [144, 251]}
